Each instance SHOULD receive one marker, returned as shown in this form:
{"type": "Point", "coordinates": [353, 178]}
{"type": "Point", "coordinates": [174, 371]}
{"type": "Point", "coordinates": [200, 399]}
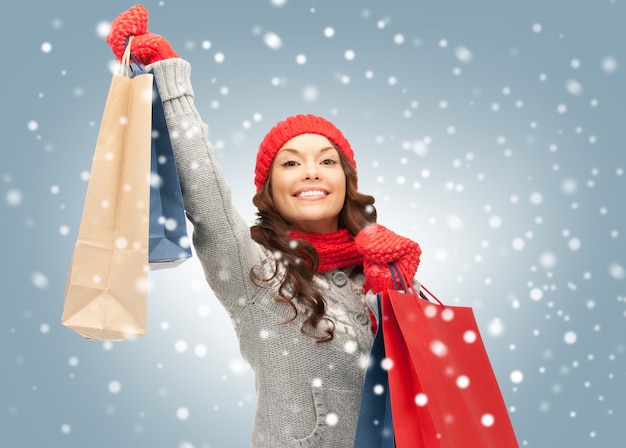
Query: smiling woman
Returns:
{"type": "Point", "coordinates": [300, 285]}
{"type": "Point", "coordinates": [309, 210]}
{"type": "Point", "coordinates": [308, 184]}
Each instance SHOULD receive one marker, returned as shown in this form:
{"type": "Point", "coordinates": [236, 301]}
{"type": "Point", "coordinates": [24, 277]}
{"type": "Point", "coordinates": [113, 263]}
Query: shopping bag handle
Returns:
{"type": "Point", "coordinates": [128, 57]}
{"type": "Point", "coordinates": [432, 296]}
{"type": "Point", "coordinates": [400, 284]}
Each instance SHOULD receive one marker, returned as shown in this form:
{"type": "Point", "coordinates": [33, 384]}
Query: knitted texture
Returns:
{"type": "Point", "coordinates": [289, 128]}
{"type": "Point", "coordinates": [147, 47]}
{"type": "Point", "coordinates": [283, 359]}
{"type": "Point", "coordinates": [133, 21]}
{"type": "Point", "coordinates": [379, 247]}
{"type": "Point", "coordinates": [336, 250]}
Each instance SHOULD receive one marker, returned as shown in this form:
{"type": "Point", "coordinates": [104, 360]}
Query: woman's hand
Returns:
{"type": "Point", "coordinates": [147, 47]}
{"type": "Point", "coordinates": [379, 247]}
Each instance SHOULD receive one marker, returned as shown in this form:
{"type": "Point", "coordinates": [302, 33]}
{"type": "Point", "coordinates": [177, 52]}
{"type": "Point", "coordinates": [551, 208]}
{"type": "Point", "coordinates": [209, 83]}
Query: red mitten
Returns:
{"type": "Point", "coordinates": [133, 22]}
{"type": "Point", "coordinates": [379, 247]}
{"type": "Point", "coordinates": [146, 47]}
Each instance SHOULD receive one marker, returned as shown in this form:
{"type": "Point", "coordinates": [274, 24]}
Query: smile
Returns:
{"type": "Point", "coordinates": [311, 194]}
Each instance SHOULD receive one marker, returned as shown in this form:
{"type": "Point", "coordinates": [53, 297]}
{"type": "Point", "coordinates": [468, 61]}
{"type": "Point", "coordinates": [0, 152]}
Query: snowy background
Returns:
{"type": "Point", "coordinates": [492, 132]}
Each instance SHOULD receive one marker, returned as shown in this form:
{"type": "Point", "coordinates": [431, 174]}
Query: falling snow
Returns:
{"type": "Point", "coordinates": [496, 146]}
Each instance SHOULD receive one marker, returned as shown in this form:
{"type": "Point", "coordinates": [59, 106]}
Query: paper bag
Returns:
{"type": "Point", "coordinates": [169, 243]}
{"type": "Point", "coordinates": [444, 392]}
{"type": "Point", "coordinates": [107, 285]}
{"type": "Point", "coordinates": [375, 425]}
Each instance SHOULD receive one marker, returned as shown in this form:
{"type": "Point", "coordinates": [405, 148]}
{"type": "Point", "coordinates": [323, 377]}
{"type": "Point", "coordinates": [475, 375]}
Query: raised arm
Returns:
{"type": "Point", "coordinates": [221, 236]}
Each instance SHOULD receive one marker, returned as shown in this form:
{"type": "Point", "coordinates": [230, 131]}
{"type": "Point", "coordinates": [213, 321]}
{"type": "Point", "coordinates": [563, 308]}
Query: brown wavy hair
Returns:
{"type": "Point", "coordinates": [301, 260]}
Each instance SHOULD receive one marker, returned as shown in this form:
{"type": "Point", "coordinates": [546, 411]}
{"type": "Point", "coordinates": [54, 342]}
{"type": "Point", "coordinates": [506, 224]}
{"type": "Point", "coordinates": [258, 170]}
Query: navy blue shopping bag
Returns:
{"type": "Point", "coordinates": [169, 243]}
{"type": "Point", "coordinates": [375, 426]}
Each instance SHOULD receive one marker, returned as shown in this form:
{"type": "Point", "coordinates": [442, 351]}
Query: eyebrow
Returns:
{"type": "Point", "coordinates": [293, 150]}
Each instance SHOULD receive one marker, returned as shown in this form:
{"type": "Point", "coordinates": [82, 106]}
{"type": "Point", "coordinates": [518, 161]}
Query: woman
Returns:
{"type": "Point", "coordinates": [300, 284]}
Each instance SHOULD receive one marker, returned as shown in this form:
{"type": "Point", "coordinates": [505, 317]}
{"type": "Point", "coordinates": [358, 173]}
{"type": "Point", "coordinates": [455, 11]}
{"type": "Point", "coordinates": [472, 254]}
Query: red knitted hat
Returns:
{"type": "Point", "coordinates": [292, 127]}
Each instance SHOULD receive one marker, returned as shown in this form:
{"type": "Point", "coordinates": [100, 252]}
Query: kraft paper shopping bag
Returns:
{"type": "Point", "coordinates": [107, 285]}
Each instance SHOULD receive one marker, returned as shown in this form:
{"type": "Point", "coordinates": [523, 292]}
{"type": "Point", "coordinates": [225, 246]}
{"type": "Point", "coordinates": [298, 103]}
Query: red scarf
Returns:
{"type": "Point", "coordinates": [336, 249]}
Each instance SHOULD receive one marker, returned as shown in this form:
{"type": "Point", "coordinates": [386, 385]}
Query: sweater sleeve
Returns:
{"type": "Point", "coordinates": [221, 237]}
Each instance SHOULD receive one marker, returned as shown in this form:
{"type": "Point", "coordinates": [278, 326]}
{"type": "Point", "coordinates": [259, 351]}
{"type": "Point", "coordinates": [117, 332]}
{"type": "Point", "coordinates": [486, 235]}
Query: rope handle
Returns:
{"type": "Point", "coordinates": [128, 58]}
{"type": "Point", "coordinates": [400, 284]}
{"type": "Point", "coordinates": [432, 296]}
{"type": "Point", "coordinates": [125, 68]}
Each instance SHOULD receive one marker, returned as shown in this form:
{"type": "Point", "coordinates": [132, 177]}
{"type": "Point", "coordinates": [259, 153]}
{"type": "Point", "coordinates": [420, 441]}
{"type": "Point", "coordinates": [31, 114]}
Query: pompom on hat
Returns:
{"type": "Point", "coordinates": [289, 128]}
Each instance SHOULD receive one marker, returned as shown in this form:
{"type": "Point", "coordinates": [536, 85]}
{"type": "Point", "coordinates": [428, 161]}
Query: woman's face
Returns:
{"type": "Point", "coordinates": [308, 183]}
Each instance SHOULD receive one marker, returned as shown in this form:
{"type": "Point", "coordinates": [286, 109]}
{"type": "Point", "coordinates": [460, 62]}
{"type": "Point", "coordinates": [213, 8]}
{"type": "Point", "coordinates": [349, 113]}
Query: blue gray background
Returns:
{"type": "Point", "coordinates": [492, 132]}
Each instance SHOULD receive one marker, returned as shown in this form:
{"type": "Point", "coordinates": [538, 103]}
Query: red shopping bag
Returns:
{"type": "Point", "coordinates": [443, 389]}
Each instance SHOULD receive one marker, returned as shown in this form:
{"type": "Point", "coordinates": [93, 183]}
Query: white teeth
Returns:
{"type": "Point", "coordinates": [311, 193]}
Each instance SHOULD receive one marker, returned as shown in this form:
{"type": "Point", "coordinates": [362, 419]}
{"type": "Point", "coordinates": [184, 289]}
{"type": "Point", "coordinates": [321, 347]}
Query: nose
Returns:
{"type": "Point", "coordinates": [311, 171]}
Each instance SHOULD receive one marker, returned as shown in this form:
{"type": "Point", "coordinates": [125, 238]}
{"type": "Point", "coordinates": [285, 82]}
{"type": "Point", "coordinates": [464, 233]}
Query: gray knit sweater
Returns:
{"type": "Point", "coordinates": [308, 392]}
